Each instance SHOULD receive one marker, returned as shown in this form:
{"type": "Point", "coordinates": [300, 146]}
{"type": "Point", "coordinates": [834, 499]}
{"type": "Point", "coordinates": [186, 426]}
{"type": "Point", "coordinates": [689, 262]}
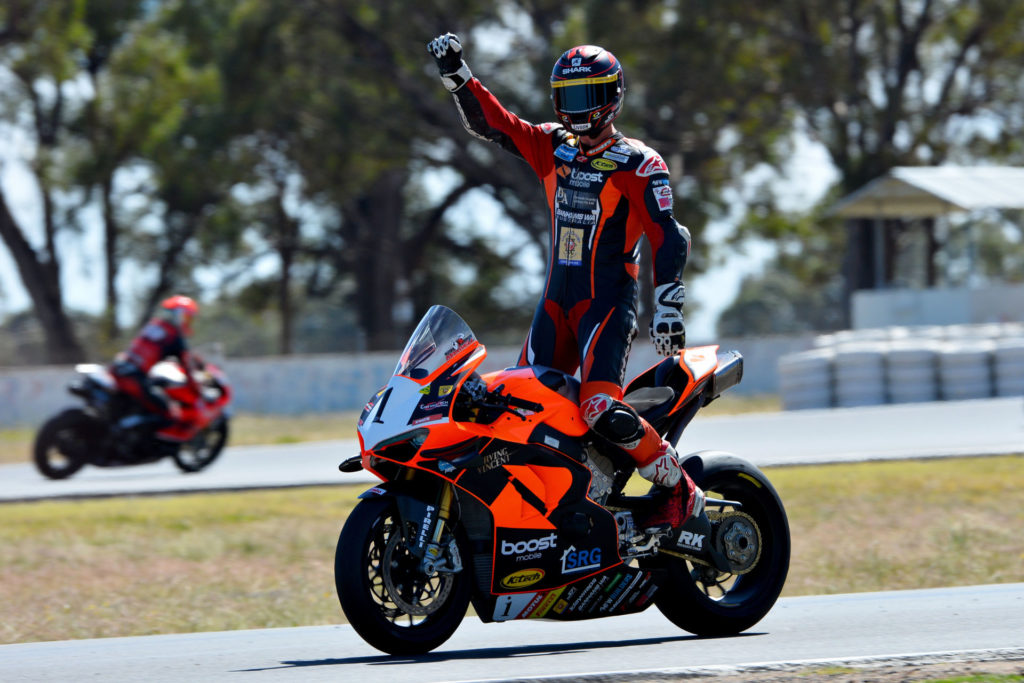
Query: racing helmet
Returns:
{"type": "Point", "coordinates": [587, 88]}
{"type": "Point", "coordinates": [180, 310]}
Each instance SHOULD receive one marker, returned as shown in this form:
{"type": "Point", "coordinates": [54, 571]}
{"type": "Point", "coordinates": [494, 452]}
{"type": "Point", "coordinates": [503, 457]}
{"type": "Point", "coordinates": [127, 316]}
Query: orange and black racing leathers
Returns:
{"type": "Point", "coordinates": [601, 201]}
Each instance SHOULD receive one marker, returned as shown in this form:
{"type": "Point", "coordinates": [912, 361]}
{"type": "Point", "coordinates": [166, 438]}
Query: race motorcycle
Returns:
{"type": "Point", "coordinates": [495, 493]}
{"type": "Point", "coordinates": [110, 430]}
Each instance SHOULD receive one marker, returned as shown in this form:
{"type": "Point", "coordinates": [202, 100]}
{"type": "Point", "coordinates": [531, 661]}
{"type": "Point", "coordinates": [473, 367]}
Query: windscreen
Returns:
{"type": "Point", "coordinates": [439, 336]}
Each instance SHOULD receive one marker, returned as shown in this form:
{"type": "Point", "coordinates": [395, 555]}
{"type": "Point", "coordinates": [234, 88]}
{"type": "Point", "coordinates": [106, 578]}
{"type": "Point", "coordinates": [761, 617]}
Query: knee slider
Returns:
{"type": "Point", "coordinates": [619, 424]}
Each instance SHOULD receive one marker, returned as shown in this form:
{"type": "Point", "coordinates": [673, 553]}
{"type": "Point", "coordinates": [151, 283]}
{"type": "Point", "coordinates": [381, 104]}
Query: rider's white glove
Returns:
{"type": "Point", "coordinates": [447, 51]}
{"type": "Point", "coordinates": [667, 330]}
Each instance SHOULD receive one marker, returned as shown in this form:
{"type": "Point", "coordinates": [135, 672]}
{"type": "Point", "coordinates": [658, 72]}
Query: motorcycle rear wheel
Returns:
{"type": "Point", "coordinates": [387, 600]}
{"type": "Point", "coordinates": [706, 602]}
{"type": "Point", "coordinates": [62, 444]}
{"type": "Point", "coordinates": [203, 449]}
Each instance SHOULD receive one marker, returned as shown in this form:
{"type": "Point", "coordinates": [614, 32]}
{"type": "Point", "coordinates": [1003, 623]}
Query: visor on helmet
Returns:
{"type": "Point", "coordinates": [584, 94]}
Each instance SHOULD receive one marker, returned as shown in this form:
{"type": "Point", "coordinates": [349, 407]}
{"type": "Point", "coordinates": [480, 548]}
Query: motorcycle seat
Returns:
{"type": "Point", "coordinates": [646, 398]}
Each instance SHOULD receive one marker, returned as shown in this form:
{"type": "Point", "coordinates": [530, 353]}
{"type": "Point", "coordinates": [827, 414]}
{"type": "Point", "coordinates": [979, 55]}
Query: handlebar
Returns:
{"type": "Point", "coordinates": [506, 402]}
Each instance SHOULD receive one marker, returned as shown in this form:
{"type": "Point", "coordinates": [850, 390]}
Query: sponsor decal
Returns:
{"type": "Point", "coordinates": [688, 539]}
{"type": "Point", "coordinates": [576, 199]}
{"type": "Point", "coordinates": [570, 246]}
{"type": "Point", "coordinates": [576, 61]}
{"type": "Point", "coordinates": [574, 561]}
{"type": "Point", "coordinates": [377, 491]}
{"type": "Point", "coordinates": [565, 152]}
{"type": "Point", "coordinates": [511, 606]}
{"type": "Point", "coordinates": [663, 195]}
{"type": "Point", "coordinates": [524, 578]}
{"type": "Point", "coordinates": [604, 164]}
{"type": "Point", "coordinates": [546, 604]}
{"type": "Point", "coordinates": [435, 405]}
{"type": "Point", "coordinates": [548, 127]}
{"type": "Point", "coordinates": [582, 159]}
{"type": "Point", "coordinates": [459, 343]}
{"type": "Point", "coordinates": [584, 178]}
{"type": "Point", "coordinates": [445, 466]}
{"type": "Point", "coordinates": [651, 164]}
{"type": "Point", "coordinates": [647, 596]}
{"type": "Point", "coordinates": [530, 546]}
{"type": "Point", "coordinates": [428, 517]}
{"type": "Point", "coordinates": [576, 70]}
{"type": "Point", "coordinates": [563, 171]}
{"type": "Point", "coordinates": [445, 389]}
{"type": "Point", "coordinates": [559, 606]}
{"type": "Point", "coordinates": [552, 441]}
{"type": "Point", "coordinates": [425, 390]}
{"type": "Point", "coordinates": [589, 218]}
{"type": "Point", "coordinates": [621, 158]}
{"type": "Point", "coordinates": [622, 149]}
{"type": "Point", "coordinates": [494, 460]}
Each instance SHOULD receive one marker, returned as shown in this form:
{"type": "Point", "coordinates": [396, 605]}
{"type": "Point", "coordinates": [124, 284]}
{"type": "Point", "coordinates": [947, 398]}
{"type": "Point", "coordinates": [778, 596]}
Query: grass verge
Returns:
{"type": "Point", "coordinates": [134, 566]}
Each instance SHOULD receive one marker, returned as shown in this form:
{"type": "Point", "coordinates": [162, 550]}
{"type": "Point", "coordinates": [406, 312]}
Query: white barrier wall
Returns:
{"type": "Point", "coordinates": [905, 364]}
{"type": "Point", "coordinates": [292, 385]}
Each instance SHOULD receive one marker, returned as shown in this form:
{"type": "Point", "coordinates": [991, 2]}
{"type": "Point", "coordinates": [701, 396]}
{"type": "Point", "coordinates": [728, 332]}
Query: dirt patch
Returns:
{"type": "Point", "coordinates": [988, 671]}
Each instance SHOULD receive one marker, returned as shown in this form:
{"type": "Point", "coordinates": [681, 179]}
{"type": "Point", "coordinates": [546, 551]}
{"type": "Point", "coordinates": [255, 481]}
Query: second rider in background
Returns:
{"type": "Point", "coordinates": [604, 192]}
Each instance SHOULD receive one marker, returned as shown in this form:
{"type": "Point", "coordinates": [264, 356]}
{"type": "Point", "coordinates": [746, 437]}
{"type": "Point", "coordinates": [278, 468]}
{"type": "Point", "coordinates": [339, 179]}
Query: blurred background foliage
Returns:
{"type": "Point", "coordinates": [296, 165]}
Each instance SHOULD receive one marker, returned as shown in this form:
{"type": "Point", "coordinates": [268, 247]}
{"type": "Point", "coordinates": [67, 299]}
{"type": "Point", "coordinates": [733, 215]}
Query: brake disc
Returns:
{"type": "Point", "coordinates": [397, 567]}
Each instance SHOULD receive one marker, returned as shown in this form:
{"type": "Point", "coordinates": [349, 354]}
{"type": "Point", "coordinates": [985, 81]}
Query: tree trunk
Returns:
{"type": "Point", "coordinates": [376, 258]}
{"type": "Point", "coordinates": [42, 282]}
{"type": "Point", "coordinates": [287, 229]}
{"type": "Point", "coordinates": [110, 243]}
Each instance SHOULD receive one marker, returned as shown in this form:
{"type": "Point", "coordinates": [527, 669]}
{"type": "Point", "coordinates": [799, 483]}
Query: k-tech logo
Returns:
{"type": "Point", "coordinates": [532, 546]}
{"type": "Point", "coordinates": [604, 165]}
{"type": "Point", "coordinates": [688, 539]}
{"type": "Point", "coordinates": [522, 578]}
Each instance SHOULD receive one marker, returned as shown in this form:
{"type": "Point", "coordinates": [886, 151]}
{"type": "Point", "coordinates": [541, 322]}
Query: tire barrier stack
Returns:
{"type": "Point", "coordinates": [905, 365]}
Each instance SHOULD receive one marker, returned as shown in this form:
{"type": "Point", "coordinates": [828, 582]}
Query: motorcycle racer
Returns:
{"type": "Point", "coordinates": [604, 191]}
{"type": "Point", "coordinates": [164, 336]}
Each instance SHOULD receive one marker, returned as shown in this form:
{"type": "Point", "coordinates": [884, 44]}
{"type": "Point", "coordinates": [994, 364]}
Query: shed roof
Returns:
{"type": "Point", "coordinates": [925, 191]}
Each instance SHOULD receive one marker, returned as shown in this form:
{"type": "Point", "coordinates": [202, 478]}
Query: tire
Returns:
{"type": "Point", "coordinates": [203, 449]}
{"type": "Point", "coordinates": [63, 444]}
{"type": "Point", "coordinates": [706, 602]}
{"type": "Point", "coordinates": [371, 563]}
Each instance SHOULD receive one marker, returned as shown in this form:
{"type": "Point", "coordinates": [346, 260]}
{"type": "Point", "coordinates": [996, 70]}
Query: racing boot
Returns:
{"type": "Point", "coordinates": [682, 498]}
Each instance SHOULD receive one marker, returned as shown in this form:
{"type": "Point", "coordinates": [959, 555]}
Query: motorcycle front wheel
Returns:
{"type": "Point", "coordinates": [203, 449]}
{"type": "Point", "coordinates": [63, 443]}
{"type": "Point", "coordinates": [384, 595]}
{"type": "Point", "coordinates": [707, 602]}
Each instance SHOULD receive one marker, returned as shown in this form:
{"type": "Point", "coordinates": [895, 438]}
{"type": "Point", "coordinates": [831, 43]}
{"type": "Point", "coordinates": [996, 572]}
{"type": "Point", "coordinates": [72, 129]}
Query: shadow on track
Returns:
{"type": "Point", "coordinates": [486, 653]}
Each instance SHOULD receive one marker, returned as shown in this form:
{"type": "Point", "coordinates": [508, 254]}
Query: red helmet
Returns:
{"type": "Point", "coordinates": [181, 310]}
{"type": "Point", "coordinates": [587, 88]}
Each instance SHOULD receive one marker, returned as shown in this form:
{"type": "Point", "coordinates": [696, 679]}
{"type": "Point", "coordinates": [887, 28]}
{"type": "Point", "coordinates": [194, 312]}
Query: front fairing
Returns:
{"type": "Point", "coordinates": [440, 355]}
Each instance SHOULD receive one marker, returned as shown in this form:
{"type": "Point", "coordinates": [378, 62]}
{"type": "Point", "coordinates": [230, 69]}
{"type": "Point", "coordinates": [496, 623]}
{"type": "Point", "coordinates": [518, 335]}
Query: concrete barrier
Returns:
{"type": "Point", "coordinates": [293, 385]}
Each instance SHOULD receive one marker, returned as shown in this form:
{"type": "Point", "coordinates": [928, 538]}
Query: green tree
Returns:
{"type": "Point", "coordinates": [896, 84]}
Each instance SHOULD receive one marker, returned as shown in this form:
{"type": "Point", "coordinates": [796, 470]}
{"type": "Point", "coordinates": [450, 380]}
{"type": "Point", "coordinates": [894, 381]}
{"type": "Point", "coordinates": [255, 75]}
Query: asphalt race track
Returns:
{"type": "Point", "coordinates": [921, 430]}
{"type": "Point", "coordinates": [972, 623]}
{"type": "Point", "coordinates": [977, 622]}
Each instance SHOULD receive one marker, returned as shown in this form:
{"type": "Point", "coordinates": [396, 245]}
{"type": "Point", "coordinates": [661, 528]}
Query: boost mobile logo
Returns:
{"type": "Point", "coordinates": [583, 176]}
{"type": "Point", "coordinates": [531, 546]}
